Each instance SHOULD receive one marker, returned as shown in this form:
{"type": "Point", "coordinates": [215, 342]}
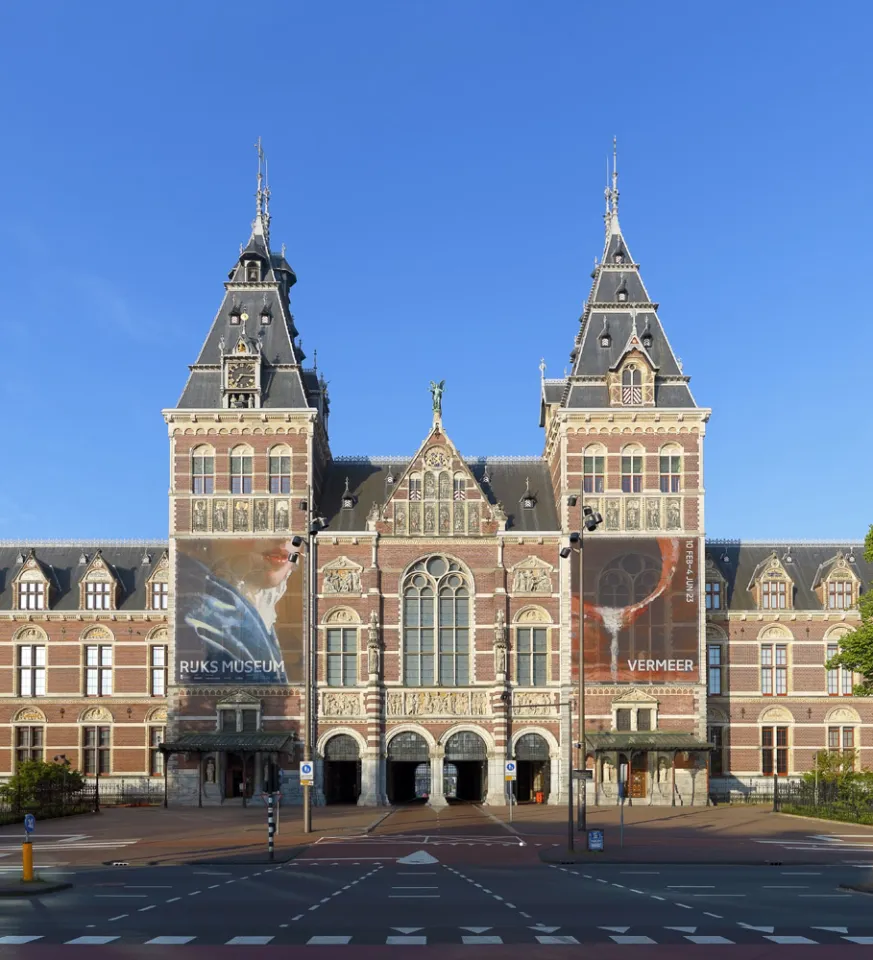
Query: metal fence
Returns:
{"type": "Point", "coordinates": [851, 801]}
{"type": "Point", "coordinates": [47, 802]}
{"type": "Point", "coordinates": [136, 792]}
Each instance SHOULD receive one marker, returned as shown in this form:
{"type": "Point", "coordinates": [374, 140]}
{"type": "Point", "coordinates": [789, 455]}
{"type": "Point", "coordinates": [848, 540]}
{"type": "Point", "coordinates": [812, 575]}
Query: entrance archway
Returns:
{"type": "Point", "coordinates": [342, 770]}
{"type": "Point", "coordinates": [408, 768]}
{"type": "Point", "coordinates": [466, 752]}
{"type": "Point", "coordinates": [533, 767]}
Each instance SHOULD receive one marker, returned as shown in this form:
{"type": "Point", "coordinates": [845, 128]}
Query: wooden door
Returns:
{"type": "Point", "coordinates": [639, 771]}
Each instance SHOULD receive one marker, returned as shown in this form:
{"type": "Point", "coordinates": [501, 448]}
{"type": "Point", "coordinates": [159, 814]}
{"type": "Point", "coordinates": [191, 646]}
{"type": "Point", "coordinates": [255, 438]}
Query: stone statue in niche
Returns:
{"type": "Point", "coordinates": [674, 514]}
{"type": "Point", "coordinates": [240, 515]}
{"type": "Point", "coordinates": [219, 516]}
{"type": "Point", "coordinates": [612, 515]}
{"type": "Point", "coordinates": [632, 515]}
{"type": "Point", "coordinates": [199, 521]}
{"type": "Point", "coordinates": [445, 487]}
{"type": "Point", "coordinates": [445, 520]}
{"type": "Point", "coordinates": [281, 515]}
{"type": "Point", "coordinates": [262, 515]}
{"type": "Point", "coordinates": [400, 518]}
{"type": "Point", "coordinates": [374, 514]}
{"type": "Point", "coordinates": [429, 519]}
{"type": "Point", "coordinates": [459, 518]}
{"type": "Point", "coordinates": [414, 518]}
{"type": "Point", "coordinates": [395, 704]}
{"type": "Point", "coordinates": [500, 644]}
{"type": "Point", "coordinates": [478, 704]}
{"type": "Point", "coordinates": [209, 775]}
{"type": "Point", "coordinates": [473, 517]}
{"type": "Point", "coordinates": [429, 486]}
{"type": "Point", "coordinates": [374, 645]}
{"type": "Point", "coordinates": [498, 512]}
{"type": "Point", "coordinates": [653, 514]}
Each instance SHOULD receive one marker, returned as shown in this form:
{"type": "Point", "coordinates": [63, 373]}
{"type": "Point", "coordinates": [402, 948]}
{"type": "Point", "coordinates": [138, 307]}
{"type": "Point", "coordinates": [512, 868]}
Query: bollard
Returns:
{"type": "Point", "coordinates": [27, 861]}
{"type": "Point", "coordinates": [271, 826]}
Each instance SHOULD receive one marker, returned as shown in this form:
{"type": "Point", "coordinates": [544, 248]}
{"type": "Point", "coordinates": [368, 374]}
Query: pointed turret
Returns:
{"type": "Point", "coordinates": [252, 356]}
{"type": "Point", "coordinates": [609, 352]}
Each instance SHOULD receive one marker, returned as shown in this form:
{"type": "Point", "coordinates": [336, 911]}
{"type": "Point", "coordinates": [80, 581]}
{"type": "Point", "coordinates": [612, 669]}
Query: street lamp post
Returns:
{"type": "Point", "coordinates": [314, 524]}
{"type": "Point", "coordinates": [591, 519]}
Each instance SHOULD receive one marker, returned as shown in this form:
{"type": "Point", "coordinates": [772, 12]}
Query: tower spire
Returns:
{"type": "Point", "coordinates": [261, 223]}
{"type": "Point", "coordinates": [614, 192]}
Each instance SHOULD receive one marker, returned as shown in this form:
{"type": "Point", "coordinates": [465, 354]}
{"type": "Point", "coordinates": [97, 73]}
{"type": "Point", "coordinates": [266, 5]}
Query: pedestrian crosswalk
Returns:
{"type": "Point", "coordinates": [557, 936]}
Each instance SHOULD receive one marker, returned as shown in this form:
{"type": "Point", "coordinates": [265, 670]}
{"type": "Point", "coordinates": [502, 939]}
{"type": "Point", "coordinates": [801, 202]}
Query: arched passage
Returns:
{"type": "Point", "coordinates": [465, 770]}
{"type": "Point", "coordinates": [532, 758]}
{"type": "Point", "coordinates": [342, 769]}
{"type": "Point", "coordinates": [408, 768]}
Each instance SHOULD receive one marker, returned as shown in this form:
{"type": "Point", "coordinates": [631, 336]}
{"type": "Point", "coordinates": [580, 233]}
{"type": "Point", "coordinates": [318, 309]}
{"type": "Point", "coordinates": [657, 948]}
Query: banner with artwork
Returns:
{"type": "Point", "coordinates": [641, 603]}
{"type": "Point", "coordinates": [238, 612]}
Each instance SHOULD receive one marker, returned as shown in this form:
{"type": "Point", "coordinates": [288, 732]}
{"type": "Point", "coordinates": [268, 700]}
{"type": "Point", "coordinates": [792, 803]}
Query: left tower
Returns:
{"type": "Point", "coordinates": [248, 445]}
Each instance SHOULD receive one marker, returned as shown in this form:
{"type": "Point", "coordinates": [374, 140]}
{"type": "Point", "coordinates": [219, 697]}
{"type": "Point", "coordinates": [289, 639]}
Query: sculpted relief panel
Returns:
{"type": "Point", "coordinates": [342, 576]}
{"type": "Point", "coordinates": [532, 576]}
{"type": "Point", "coordinates": [341, 705]}
{"type": "Point", "coordinates": [534, 704]}
{"type": "Point", "coordinates": [438, 703]}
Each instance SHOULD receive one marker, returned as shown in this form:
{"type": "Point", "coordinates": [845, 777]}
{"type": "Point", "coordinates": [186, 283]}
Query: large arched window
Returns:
{"type": "Point", "coordinates": [202, 470]}
{"type": "Point", "coordinates": [241, 469]}
{"type": "Point", "coordinates": [436, 624]}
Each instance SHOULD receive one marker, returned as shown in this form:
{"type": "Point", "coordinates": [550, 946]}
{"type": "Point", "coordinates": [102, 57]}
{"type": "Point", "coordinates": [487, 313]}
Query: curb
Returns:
{"type": "Point", "coordinates": [380, 819]}
{"type": "Point", "coordinates": [37, 889]}
{"type": "Point", "coordinates": [803, 816]}
{"type": "Point", "coordinates": [592, 859]}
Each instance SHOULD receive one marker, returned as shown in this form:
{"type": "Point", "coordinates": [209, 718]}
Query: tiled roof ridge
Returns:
{"type": "Point", "coordinates": [788, 542]}
{"type": "Point", "coordinates": [23, 542]}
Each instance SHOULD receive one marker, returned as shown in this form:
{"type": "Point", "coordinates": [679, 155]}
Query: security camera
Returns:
{"type": "Point", "coordinates": [572, 500]}
{"type": "Point", "coordinates": [587, 511]}
{"type": "Point", "coordinates": [575, 536]}
{"type": "Point", "coordinates": [294, 558]}
{"type": "Point", "coordinates": [296, 541]}
{"type": "Point", "coordinates": [565, 552]}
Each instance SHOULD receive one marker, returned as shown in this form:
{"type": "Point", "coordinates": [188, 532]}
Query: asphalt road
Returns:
{"type": "Point", "coordinates": [336, 902]}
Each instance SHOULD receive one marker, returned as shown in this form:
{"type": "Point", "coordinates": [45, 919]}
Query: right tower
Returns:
{"type": "Point", "coordinates": [624, 436]}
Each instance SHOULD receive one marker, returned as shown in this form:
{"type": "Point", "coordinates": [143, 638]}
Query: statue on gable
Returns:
{"type": "Point", "coordinates": [436, 390]}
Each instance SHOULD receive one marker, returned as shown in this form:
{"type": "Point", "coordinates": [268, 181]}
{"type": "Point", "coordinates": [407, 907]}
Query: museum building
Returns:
{"type": "Point", "coordinates": [442, 632]}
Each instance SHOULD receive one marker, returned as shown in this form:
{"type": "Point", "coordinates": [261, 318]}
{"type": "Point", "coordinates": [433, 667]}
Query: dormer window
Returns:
{"type": "Point", "coordinates": [773, 595]}
{"type": "Point", "coordinates": [98, 595]}
{"type": "Point", "coordinates": [235, 317]}
{"type": "Point", "coordinates": [646, 338]}
{"type": "Point", "coordinates": [631, 385]}
{"type": "Point", "coordinates": [841, 594]}
{"type": "Point", "coordinates": [349, 499]}
{"type": "Point", "coordinates": [618, 256]}
{"type": "Point", "coordinates": [621, 293]}
{"type": "Point", "coordinates": [266, 318]}
{"type": "Point", "coordinates": [31, 595]}
{"type": "Point", "coordinates": [605, 338]}
{"type": "Point", "coordinates": [528, 498]}
{"type": "Point", "coordinates": [713, 595]}
{"type": "Point", "coordinates": [253, 271]}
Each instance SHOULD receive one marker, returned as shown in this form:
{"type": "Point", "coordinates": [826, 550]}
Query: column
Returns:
{"type": "Point", "coordinates": [496, 795]}
{"type": "Point", "coordinates": [437, 758]}
{"type": "Point", "coordinates": [370, 793]}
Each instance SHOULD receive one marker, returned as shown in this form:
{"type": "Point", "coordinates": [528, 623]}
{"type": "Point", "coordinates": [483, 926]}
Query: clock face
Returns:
{"type": "Point", "coordinates": [241, 375]}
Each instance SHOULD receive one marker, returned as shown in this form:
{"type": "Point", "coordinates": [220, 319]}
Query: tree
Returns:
{"type": "Point", "coordinates": [856, 648]}
{"type": "Point", "coordinates": [36, 781]}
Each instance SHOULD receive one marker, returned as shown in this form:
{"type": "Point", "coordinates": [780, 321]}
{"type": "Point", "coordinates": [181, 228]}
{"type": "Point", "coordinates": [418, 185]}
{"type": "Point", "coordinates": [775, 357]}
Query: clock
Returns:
{"type": "Point", "coordinates": [241, 376]}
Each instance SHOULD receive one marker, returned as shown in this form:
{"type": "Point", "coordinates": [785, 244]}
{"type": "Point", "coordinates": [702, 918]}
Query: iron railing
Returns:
{"type": "Point", "coordinates": [47, 801]}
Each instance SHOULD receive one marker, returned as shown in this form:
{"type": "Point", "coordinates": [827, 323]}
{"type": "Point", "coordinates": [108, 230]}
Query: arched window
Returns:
{"type": "Point", "coordinates": [253, 271]}
{"type": "Point", "coordinates": [631, 470]}
{"type": "Point", "coordinates": [593, 470]}
{"type": "Point", "coordinates": [631, 385]}
{"type": "Point", "coordinates": [202, 470]}
{"type": "Point", "coordinates": [280, 470]}
{"type": "Point", "coordinates": [241, 470]}
{"type": "Point", "coordinates": [436, 624]}
{"type": "Point", "coordinates": [671, 469]}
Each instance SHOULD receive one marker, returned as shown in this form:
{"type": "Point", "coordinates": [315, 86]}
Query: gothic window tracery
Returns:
{"type": "Point", "coordinates": [436, 624]}
{"type": "Point", "coordinates": [631, 385]}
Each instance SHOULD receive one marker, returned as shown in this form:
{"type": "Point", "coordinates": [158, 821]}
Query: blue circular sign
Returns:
{"type": "Point", "coordinates": [510, 765]}
{"type": "Point", "coordinates": [29, 823]}
{"type": "Point", "coordinates": [306, 768]}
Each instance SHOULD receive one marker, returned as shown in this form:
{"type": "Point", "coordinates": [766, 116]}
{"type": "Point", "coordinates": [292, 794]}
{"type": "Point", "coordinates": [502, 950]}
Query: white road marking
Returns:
{"type": "Point", "coordinates": [248, 941]}
{"type": "Point", "coordinates": [16, 941]}
{"type": "Point", "coordinates": [121, 916]}
{"type": "Point", "coordinates": [409, 941]}
{"type": "Point", "coordinates": [781, 938]}
{"type": "Point", "coordinates": [630, 940]}
{"type": "Point", "coordinates": [863, 940]}
{"type": "Point", "coordinates": [170, 941]}
{"type": "Point", "coordinates": [328, 940]}
{"type": "Point", "coordinates": [709, 939]}
{"type": "Point", "coordinates": [833, 929]}
{"type": "Point", "coordinates": [475, 940]}
{"type": "Point", "coordinates": [548, 940]}
{"type": "Point", "coordinates": [717, 916]}
{"type": "Point", "coordinates": [172, 899]}
{"type": "Point", "coordinates": [92, 941]}
{"type": "Point", "coordinates": [151, 906]}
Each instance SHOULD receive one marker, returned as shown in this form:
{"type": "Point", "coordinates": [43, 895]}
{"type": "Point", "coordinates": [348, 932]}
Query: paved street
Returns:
{"type": "Point", "coordinates": [451, 882]}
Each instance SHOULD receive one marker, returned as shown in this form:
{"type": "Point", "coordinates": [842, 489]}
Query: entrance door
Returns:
{"type": "Point", "coordinates": [342, 770]}
{"type": "Point", "coordinates": [466, 751]}
{"type": "Point", "coordinates": [639, 776]}
{"type": "Point", "coordinates": [532, 758]}
{"type": "Point", "coordinates": [408, 774]}
{"type": "Point", "coordinates": [237, 779]}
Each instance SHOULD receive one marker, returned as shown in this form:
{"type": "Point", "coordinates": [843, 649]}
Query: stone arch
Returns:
{"type": "Point", "coordinates": [96, 715]}
{"type": "Point", "coordinates": [438, 553]}
{"type": "Point", "coordinates": [716, 716]}
{"type": "Point", "coordinates": [30, 633]}
{"type": "Point", "coordinates": [838, 630]}
{"type": "Point", "coordinates": [338, 731]}
{"type": "Point", "coordinates": [157, 715]}
{"type": "Point", "coordinates": [202, 450]}
{"type": "Point", "coordinates": [411, 728]}
{"type": "Point", "coordinates": [341, 614]}
{"type": "Point", "coordinates": [842, 715]}
{"type": "Point", "coordinates": [776, 715]}
{"type": "Point", "coordinates": [548, 736]}
{"type": "Point", "coordinates": [486, 736]}
{"type": "Point", "coordinates": [775, 631]}
{"type": "Point", "coordinates": [160, 633]}
{"type": "Point", "coordinates": [97, 632]}
{"type": "Point", "coordinates": [532, 613]}
{"type": "Point", "coordinates": [716, 633]}
{"type": "Point", "coordinates": [29, 715]}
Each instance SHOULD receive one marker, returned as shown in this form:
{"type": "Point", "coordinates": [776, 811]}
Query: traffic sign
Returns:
{"type": "Point", "coordinates": [511, 770]}
{"type": "Point", "coordinates": [307, 773]}
{"type": "Point", "coordinates": [29, 823]}
{"type": "Point", "coordinates": [595, 840]}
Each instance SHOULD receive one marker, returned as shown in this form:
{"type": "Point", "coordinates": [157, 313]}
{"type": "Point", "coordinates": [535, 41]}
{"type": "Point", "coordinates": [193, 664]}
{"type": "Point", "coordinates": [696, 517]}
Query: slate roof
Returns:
{"type": "Point", "coordinates": [507, 478]}
{"type": "Point", "coordinates": [238, 742]}
{"type": "Point", "coordinates": [618, 302]}
{"type": "Point", "coordinates": [282, 377]}
{"type": "Point", "coordinates": [654, 740]}
{"type": "Point", "coordinates": [60, 561]}
{"type": "Point", "coordinates": [737, 562]}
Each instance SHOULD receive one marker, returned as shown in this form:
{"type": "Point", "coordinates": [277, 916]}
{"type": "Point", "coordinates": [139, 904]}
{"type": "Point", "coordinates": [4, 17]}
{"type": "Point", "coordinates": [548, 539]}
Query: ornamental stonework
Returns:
{"type": "Point", "coordinates": [342, 576]}
{"type": "Point", "coordinates": [341, 705]}
{"type": "Point", "coordinates": [532, 576]}
{"type": "Point", "coordinates": [534, 704]}
{"type": "Point", "coordinates": [438, 703]}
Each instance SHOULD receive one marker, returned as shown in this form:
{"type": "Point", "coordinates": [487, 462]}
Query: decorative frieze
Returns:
{"type": "Point", "coordinates": [342, 576]}
{"type": "Point", "coordinates": [341, 704]}
{"type": "Point", "coordinates": [526, 704]}
{"type": "Point", "coordinates": [437, 703]}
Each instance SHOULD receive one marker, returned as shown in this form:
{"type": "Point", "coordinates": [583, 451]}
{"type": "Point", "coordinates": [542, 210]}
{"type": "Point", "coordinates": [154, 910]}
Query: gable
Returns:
{"type": "Point", "coordinates": [438, 495]}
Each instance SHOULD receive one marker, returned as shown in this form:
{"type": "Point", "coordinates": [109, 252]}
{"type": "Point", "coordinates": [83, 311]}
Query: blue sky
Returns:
{"type": "Point", "coordinates": [437, 173]}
